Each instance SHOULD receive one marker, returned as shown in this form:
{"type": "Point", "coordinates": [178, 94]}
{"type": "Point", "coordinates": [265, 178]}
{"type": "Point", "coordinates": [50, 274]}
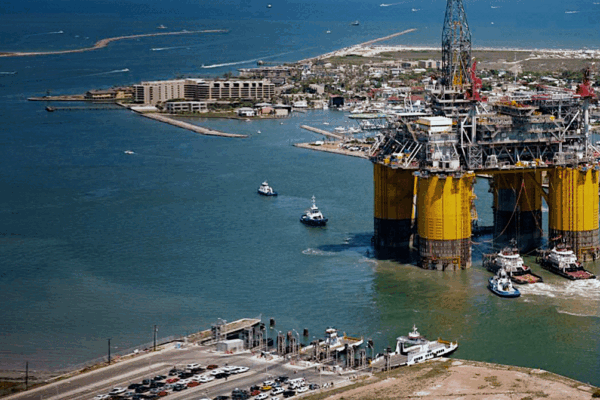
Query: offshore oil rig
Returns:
{"type": "Point", "coordinates": [532, 146]}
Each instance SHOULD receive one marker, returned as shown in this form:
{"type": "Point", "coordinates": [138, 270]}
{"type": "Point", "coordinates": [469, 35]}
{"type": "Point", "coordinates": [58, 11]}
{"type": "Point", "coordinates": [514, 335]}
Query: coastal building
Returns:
{"type": "Point", "coordinates": [176, 107]}
{"type": "Point", "coordinates": [109, 94]}
{"type": "Point", "coordinates": [155, 92]}
{"type": "Point", "coordinates": [246, 112]}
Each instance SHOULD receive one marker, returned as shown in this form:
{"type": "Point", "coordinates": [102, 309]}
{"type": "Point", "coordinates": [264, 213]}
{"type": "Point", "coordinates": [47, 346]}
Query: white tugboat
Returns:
{"type": "Point", "coordinates": [266, 190]}
{"type": "Point", "coordinates": [562, 261]}
{"type": "Point", "coordinates": [512, 262]}
{"type": "Point", "coordinates": [501, 285]}
{"type": "Point", "coordinates": [313, 216]}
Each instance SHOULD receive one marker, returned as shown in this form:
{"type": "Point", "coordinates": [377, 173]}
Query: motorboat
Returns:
{"type": "Point", "coordinates": [313, 216]}
{"type": "Point", "coordinates": [501, 285]}
{"type": "Point", "coordinates": [266, 190]}
{"type": "Point", "coordinates": [417, 349]}
{"type": "Point", "coordinates": [355, 23]}
{"type": "Point", "coordinates": [512, 262]}
{"type": "Point", "coordinates": [128, 152]}
{"type": "Point", "coordinates": [562, 261]}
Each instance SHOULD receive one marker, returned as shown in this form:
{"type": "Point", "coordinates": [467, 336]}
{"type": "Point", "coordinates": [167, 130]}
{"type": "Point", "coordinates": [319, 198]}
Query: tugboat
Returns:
{"type": "Point", "coordinates": [266, 190]}
{"type": "Point", "coordinates": [313, 216]}
{"type": "Point", "coordinates": [501, 285]}
{"type": "Point", "coordinates": [418, 349]}
{"type": "Point", "coordinates": [562, 261]}
{"type": "Point", "coordinates": [512, 262]}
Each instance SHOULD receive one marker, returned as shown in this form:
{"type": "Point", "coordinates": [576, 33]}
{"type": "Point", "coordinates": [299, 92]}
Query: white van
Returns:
{"type": "Point", "coordinates": [296, 382]}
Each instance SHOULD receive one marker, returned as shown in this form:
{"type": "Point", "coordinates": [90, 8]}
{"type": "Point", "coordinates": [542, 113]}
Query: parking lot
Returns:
{"type": "Point", "coordinates": [220, 380]}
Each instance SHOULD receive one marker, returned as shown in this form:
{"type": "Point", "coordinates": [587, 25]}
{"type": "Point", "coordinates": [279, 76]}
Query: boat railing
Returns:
{"type": "Point", "coordinates": [446, 342]}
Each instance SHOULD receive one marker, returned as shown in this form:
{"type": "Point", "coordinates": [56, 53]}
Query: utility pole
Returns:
{"type": "Point", "coordinates": [155, 332]}
{"type": "Point", "coordinates": [109, 350]}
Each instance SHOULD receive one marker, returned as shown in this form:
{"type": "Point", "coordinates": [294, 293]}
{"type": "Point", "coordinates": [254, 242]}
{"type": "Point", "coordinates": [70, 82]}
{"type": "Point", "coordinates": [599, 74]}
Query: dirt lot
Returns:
{"type": "Point", "coordinates": [458, 379]}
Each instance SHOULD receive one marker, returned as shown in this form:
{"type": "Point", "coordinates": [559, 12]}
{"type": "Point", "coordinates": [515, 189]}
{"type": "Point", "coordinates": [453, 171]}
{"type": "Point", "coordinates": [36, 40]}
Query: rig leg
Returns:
{"type": "Point", "coordinates": [444, 221]}
{"type": "Point", "coordinates": [573, 202]}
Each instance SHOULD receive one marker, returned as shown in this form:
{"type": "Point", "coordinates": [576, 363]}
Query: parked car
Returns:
{"type": "Point", "coordinates": [172, 380]}
{"type": "Point", "coordinates": [302, 389]}
{"type": "Point", "coordinates": [173, 372]}
{"type": "Point", "coordinates": [221, 398]}
{"type": "Point", "coordinates": [266, 388]}
{"type": "Point", "coordinates": [289, 393]}
{"type": "Point", "coordinates": [212, 366]}
{"type": "Point", "coordinates": [159, 378]}
{"type": "Point", "coordinates": [192, 366]}
{"type": "Point", "coordinates": [254, 392]}
{"type": "Point", "coordinates": [313, 386]}
{"type": "Point", "coordinates": [134, 385]}
{"type": "Point", "coordinates": [222, 375]}
{"type": "Point", "coordinates": [282, 379]}
{"type": "Point", "coordinates": [276, 391]}
{"type": "Point", "coordinates": [262, 396]}
{"type": "Point", "coordinates": [241, 370]}
{"type": "Point", "coordinates": [179, 387]}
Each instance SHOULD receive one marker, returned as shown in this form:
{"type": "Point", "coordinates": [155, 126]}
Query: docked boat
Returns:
{"type": "Point", "coordinates": [512, 262]}
{"type": "Point", "coordinates": [562, 261]}
{"type": "Point", "coordinates": [334, 342]}
{"type": "Point", "coordinates": [313, 216]}
{"type": "Point", "coordinates": [501, 285]}
{"type": "Point", "coordinates": [266, 190]}
{"type": "Point", "coordinates": [417, 348]}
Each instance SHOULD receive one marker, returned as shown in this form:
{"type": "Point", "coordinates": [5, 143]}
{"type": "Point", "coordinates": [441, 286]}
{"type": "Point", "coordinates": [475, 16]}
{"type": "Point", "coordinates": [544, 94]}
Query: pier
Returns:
{"type": "Point", "coordinates": [321, 132]}
{"type": "Point", "coordinates": [190, 127]}
{"type": "Point", "coordinates": [331, 147]}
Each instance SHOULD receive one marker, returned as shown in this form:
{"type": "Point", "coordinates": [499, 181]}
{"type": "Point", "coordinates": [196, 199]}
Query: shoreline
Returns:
{"type": "Point", "coordinates": [103, 43]}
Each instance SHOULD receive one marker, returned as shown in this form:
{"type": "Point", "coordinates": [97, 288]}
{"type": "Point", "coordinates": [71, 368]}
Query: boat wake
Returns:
{"type": "Point", "coordinates": [116, 71]}
{"type": "Point", "coordinates": [252, 60]}
{"type": "Point", "coordinates": [316, 252]}
{"type": "Point", "coordinates": [8, 73]}
{"type": "Point", "coordinates": [576, 314]}
{"type": "Point", "coordinates": [571, 12]}
{"type": "Point", "coordinates": [588, 290]}
{"type": "Point", "coordinates": [45, 33]}
{"type": "Point", "coordinates": [391, 4]}
{"type": "Point", "coordinates": [496, 7]}
{"type": "Point", "coordinates": [169, 48]}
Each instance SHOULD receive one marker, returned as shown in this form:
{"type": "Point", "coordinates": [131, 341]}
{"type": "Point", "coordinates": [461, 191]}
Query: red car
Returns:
{"type": "Point", "coordinates": [212, 366]}
{"type": "Point", "coordinates": [255, 393]}
{"type": "Point", "coordinates": [172, 380]}
{"type": "Point", "coordinates": [193, 383]}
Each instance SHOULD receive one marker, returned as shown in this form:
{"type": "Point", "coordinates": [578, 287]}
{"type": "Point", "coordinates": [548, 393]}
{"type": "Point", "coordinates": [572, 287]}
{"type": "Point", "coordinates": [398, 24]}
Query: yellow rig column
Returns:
{"type": "Point", "coordinates": [393, 206]}
{"type": "Point", "coordinates": [573, 198]}
{"type": "Point", "coordinates": [444, 221]}
{"type": "Point", "coordinates": [518, 208]}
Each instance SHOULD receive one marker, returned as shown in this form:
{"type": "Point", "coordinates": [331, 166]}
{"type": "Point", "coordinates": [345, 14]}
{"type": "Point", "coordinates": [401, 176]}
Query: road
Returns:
{"type": "Point", "coordinates": [124, 373]}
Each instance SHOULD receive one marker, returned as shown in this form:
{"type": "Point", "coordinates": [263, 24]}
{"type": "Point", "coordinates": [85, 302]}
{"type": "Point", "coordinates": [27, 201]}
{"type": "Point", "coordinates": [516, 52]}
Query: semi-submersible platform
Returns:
{"type": "Point", "coordinates": [533, 146]}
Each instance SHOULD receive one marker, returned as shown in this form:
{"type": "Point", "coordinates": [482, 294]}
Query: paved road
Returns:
{"type": "Point", "coordinates": [124, 373]}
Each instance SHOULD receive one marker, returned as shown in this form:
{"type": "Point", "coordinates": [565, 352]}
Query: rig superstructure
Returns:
{"type": "Point", "coordinates": [424, 167]}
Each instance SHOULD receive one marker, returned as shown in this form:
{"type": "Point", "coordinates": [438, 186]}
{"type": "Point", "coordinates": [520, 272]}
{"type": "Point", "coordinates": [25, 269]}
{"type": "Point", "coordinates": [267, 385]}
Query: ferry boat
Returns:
{"type": "Point", "coordinates": [266, 190]}
{"type": "Point", "coordinates": [417, 348]}
{"type": "Point", "coordinates": [501, 285]}
{"type": "Point", "coordinates": [562, 261]}
{"type": "Point", "coordinates": [512, 262]}
{"type": "Point", "coordinates": [313, 216]}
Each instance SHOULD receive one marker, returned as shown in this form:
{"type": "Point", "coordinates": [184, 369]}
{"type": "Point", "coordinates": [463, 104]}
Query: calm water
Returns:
{"type": "Point", "coordinates": [97, 244]}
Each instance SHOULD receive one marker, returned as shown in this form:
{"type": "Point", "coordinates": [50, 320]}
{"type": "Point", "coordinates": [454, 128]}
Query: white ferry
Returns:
{"type": "Point", "coordinates": [266, 190]}
{"type": "Point", "coordinates": [417, 349]}
{"type": "Point", "coordinates": [313, 216]}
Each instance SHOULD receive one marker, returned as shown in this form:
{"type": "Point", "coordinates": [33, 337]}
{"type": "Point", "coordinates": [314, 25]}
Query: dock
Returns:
{"type": "Point", "coordinates": [321, 132]}
{"type": "Point", "coordinates": [396, 360]}
{"type": "Point", "coordinates": [331, 148]}
{"type": "Point", "coordinates": [190, 127]}
{"type": "Point", "coordinates": [227, 329]}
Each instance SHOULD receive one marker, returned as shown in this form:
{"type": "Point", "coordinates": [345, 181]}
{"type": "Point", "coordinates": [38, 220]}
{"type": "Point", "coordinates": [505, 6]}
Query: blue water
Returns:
{"type": "Point", "coordinates": [96, 243]}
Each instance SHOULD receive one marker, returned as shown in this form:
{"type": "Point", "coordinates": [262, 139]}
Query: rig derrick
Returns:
{"type": "Point", "coordinates": [424, 167]}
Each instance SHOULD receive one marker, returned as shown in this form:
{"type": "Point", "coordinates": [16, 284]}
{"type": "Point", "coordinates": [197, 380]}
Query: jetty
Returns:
{"type": "Point", "coordinates": [103, 43]}
{"type": "Point", "coordinates": [321, 132]}
{"type": "Point", "coordinates": [194, 128]}
{"type": "Point", "coordinates": [331, 147]}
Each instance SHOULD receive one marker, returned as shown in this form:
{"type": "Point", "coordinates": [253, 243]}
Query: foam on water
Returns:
{"type": "Point", "coordinates": [577, 314]}
{"type": "Point", "coordinates": [588, 289]}
{"type": "Point", "coordinates": [317, 252]}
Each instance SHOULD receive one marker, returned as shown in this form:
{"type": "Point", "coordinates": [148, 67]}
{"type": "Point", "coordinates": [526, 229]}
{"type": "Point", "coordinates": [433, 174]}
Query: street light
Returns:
{"type": "Point", "coordinates": [109, 339]}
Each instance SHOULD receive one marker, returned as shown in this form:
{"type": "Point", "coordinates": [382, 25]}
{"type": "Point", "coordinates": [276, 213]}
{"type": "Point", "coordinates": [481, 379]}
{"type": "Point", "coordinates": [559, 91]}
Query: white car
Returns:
{"type": "Point", "coordinates": [276, 391]}
{"type": "Point", "coordinates": [228, 369]}
{"type": "Point", "coordinates": [216, 371]}
{"type": "Point", "coordinates": [207, 378]}
{"type": "Point", "coordinates": [262, 396]}
{"type": "Point", "coordinates": [116, 391]}
{"type": "Point", "coordinates": [302, 389]}
{"type": "Point", "coordinates": [193, 366]}
{"type": "Point", "coordinates": [184, 381]}
{"type": "Point", "coordinates": [268, 383]}
{"type": "Point", "coordinates": [274, 398]}
{"type": "Point", "coordinates": [101, 397]}
{"type": "Point", "coordinates": [241, 370]}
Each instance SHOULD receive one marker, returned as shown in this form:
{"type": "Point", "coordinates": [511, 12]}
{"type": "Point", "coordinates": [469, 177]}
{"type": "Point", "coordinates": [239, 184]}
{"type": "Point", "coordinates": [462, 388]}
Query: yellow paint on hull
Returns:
{"type": "Point", "coordinates": [444, 207]}
{"type": "Point", "coordinates": [394, 191]}
{"type": "Point", "coordinates": [573, 199]}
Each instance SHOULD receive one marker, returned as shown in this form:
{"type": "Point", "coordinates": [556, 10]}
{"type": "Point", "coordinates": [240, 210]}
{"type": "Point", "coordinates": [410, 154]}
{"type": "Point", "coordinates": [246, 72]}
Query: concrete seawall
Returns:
{"type": "Point", "coordinates": [190, 127]}
{"type": "Point", "coordinates": [332, 149]}
{"type": "Point", "coordinates": [321, 132]}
